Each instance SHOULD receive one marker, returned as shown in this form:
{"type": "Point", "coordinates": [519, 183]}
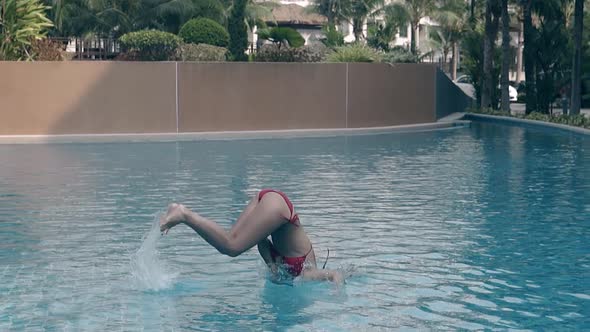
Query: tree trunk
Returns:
{"type": "Point", "coordinates": [529, 58]}
{"type": "Point", "coordinates": [454, 60]}
{"type": "Point", "coordinates": [357, 29]}
{"type": "Point", "coordinates": [576, 68]}
{"type": "Point", "coordinates": [505, 56]}
{"type": "Point", "coordinates": [519, 56]}
{"type": "Point", "coordinates": [472, 12]}
{"type": "Point", "coordinates": [489, 39]}
{"type": "Point", "coordinates": [414, 33]}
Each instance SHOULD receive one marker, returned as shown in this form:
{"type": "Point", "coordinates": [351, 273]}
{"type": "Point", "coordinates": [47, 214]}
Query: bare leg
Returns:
{"type": "Point", "coordinates": [249, 208]}
{"type": "Point", "coordinates": [251, 228]}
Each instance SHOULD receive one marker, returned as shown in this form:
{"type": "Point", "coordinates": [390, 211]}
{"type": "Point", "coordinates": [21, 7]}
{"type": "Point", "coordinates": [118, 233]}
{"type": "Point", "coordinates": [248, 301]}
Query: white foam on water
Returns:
{"type": "Point", "coordinates": [148, 272]}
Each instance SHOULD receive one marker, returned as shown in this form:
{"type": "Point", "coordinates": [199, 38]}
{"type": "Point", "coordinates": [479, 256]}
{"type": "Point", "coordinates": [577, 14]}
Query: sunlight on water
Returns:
{"type": "Point", "coordinates": [148, 271]}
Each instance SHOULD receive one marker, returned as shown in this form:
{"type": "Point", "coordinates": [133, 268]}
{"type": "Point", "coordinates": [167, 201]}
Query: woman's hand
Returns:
{"type": "Point", "coordinates": [321, 275]}
{"type": "Point", "coordinates": [176, 214]}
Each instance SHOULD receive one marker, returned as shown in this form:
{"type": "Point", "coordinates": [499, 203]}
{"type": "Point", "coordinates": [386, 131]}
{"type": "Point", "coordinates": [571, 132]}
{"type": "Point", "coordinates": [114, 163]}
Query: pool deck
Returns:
{"type": "Point", "coordinates": [450, 122]}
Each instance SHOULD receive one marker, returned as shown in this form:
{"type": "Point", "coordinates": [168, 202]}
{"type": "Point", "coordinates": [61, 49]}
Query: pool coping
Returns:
{"type": "Point", "coordinates": [229, 135]}
{"type": "Point", "coordinates": [526, 122]}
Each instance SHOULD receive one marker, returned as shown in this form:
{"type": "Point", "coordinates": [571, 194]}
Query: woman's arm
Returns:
{"type": "Point", "coordinates": [264, 250]}
{"type": "Point", "coordinates": [321, 275]}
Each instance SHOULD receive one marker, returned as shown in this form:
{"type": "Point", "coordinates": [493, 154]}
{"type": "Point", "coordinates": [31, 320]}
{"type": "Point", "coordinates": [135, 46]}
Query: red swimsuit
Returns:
{"type": "Point", "coordinates": [294, 265]}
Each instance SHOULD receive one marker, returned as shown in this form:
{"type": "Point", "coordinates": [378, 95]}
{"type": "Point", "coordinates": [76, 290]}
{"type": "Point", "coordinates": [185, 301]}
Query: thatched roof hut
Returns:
{"type": "Point", "coordinates": [294, 15]}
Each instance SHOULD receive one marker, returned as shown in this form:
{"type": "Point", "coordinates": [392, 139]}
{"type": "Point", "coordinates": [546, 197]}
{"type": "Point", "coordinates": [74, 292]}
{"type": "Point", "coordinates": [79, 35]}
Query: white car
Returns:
{"type": "Point", "coordinates": [512, 93]}
{"type": "Point", "coordinates": [464, 82]}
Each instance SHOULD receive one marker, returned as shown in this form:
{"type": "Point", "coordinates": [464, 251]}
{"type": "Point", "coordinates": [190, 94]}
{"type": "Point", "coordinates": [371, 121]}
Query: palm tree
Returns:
{"type": "Point", "coordinates": [333, 10]}
{"type": "Point", "coordinates": [577, 63]}
{"type": "Point", "coordinates": [452, 18]}
{"type": "Point", "coordinates": [411, 12]}
{"type": "Point", "coordinates": [505, 56]}
{"type": "Point", "coordinates": [440, 39]}
{"type": "Point", "coordinates": [170, 15]}
{"type": "Point", "coordinates": [358, 11]}
{"type": "Point", "coordinates": [256, 15]}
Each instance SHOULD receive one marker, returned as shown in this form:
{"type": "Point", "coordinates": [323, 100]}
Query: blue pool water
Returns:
{"type": "Point", "coordinates": [486, 227]}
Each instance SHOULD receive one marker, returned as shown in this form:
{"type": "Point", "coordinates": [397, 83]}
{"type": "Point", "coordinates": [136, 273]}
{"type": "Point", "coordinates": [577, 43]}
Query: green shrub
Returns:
{"type": "Point", "coordinates": [399, 54]}
{"type": "Point", "coordinates": [272, 53]}
{"type": "Point", "coordinates": [149, 45]}
{"type": "Point", "coordinates": [282, 36]}
{"type": "Point", "coordinates": [201, 52]}
{"type": "Point", "coordinates": [332, 37]}
{"type": "Point", "coordinates": [47, 50]}
{"type": "Point", "coordinates": [354, 53]}
{"type": "Point", "coordinates": [204, 31]}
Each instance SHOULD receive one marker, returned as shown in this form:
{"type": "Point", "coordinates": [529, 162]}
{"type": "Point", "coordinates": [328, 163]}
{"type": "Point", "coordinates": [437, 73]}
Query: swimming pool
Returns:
{"type": "Point", "coordinates": [483, 227]}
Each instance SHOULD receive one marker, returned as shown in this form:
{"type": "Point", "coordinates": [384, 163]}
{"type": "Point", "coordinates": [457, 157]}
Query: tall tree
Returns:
{"type": "Point", "coordinates": [412, 11]}
{"type": "Point", "coordinates": [238, 33]}
{"type": "Point", "coordinates": [529, 56]}
{"type": "Point", "coordinates": [491, 32]}
{"type": "Point", "coordinates": [452, 18]}
{"type": "Point", "coordinates": [333, 10]}
{"type": "Point", "coordinates": [358, 11]}
{"type": "Point", "coordinates": [506, 56]}
{"type": "Point", "coordinates": [576, 86]}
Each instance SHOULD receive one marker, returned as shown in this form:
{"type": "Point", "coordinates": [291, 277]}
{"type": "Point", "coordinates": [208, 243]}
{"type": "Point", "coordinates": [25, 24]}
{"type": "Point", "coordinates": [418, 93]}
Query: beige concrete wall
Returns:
{"type": "Point", "coordinates": [86, 98]}
{"type": "Point", "coordinates": [388, 95]}
{"type": "Point", "coordinates": [126, 97]}
{"type": "Point", "coordinates": [242, 96]}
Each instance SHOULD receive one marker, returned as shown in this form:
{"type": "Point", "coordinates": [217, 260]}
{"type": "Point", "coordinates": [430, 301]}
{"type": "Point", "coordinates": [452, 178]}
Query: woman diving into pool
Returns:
{"type": "Point", "coordinates": [270, 212]}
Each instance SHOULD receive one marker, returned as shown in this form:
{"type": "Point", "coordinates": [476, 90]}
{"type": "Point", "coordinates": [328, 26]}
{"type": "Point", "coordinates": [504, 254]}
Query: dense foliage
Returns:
{"type": "Point", "coordinates": [21, 22]}
{"type": "Point", "coordinates": [238, 31]}
{"type": "Point", "coordinates": [204, 31]}
{"type": "Point", "coordinates": [282, 36]}
{"type": "Point", "coordinates": [355, 53]}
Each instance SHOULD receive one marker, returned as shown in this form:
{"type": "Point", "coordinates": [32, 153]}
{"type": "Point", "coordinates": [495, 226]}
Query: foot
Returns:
{"type": "Point", "coordinates": [175, 215]}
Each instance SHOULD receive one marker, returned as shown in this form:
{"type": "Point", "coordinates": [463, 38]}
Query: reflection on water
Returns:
{"type": "Point", "coordinates": [475, 228]}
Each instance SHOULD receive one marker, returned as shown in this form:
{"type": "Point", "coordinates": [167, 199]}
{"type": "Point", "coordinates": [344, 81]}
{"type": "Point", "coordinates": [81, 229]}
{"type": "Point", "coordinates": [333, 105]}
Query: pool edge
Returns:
{"type": "Point", "coordinates": [227, 135]}
{"type": "Point", "coordinates": [526, 122]}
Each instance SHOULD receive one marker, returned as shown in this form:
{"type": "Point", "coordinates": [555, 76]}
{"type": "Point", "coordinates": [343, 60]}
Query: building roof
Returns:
{"type": "Point", "coordinates": [293, 14]}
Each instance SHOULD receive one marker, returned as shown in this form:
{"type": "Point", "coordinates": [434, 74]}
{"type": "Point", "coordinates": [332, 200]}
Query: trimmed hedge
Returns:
{"type": "Point", "coordinates": [149, 45]}
{"type": "Point", "coordinates": [308, 53]}
{"type": "Point", "coordinates": [201, 52]}
{"type": "Point", "coordinates": [204, 31]}
{"type": "Point", "coordinates": [399, 54]}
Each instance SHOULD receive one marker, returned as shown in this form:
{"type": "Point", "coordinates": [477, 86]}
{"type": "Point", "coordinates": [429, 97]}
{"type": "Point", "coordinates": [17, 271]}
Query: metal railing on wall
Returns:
{"type": "Point", "coordinates": [93, 48]}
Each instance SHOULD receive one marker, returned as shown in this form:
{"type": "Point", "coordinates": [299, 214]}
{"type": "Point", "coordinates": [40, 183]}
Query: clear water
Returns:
{"type": "Point", "coordinates": [485, 227]}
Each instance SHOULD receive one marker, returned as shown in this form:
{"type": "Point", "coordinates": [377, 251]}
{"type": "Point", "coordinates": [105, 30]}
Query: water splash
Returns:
{"type": "Point", "coordinates": [148, 272]}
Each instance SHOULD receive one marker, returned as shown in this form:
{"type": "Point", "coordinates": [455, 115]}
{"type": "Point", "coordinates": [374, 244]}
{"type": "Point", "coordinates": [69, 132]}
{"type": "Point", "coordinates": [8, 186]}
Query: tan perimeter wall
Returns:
{"type": "Point", "coordinates": [166, 97]}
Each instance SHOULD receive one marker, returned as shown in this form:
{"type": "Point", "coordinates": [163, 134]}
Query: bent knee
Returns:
{"type": "Point", "coordinates": [232, 250]}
